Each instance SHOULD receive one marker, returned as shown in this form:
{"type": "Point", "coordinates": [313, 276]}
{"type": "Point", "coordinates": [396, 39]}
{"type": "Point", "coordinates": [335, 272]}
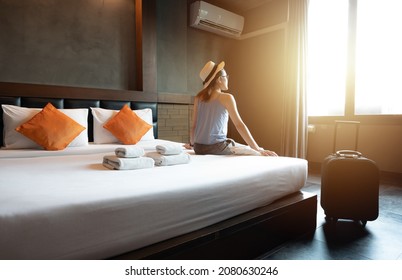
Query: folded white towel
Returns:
{"type": "Point", "coordinates": [129, 152]}
{"type": "Point", "coordinates": [114, 162]}
{"type": "Point", "coordinates": [163, 160]}
{"type": "Point", "coordinates": [244, 150]}
{"type": "Point", "coordinates": [169, 148]}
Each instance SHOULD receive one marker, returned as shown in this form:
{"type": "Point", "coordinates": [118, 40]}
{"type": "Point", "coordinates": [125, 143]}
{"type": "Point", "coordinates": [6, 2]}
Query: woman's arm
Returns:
{"type": "Point", "coordinates": [229, 102]}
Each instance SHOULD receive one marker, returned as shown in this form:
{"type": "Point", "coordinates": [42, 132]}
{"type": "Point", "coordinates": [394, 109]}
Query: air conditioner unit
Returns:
{"type": "Point", "coordinates": [214, 19]}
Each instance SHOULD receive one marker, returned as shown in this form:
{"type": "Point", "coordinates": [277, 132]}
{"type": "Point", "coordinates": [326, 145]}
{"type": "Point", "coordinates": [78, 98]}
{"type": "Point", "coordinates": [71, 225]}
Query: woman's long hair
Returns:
{"type": "Point", "coordinates": [205, 94]}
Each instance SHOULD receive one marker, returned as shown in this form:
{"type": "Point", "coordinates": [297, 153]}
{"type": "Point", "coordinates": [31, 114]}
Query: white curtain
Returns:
{"type": "Point", "coordinates": [295, 122]}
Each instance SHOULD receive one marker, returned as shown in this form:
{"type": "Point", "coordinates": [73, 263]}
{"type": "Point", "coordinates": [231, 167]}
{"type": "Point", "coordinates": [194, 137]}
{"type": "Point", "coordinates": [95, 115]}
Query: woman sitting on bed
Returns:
{"type": "Point", "coordinates": [212, 109]}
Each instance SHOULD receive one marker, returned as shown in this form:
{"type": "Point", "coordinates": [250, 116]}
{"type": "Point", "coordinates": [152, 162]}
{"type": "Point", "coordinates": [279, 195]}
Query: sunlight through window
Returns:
{"type": "Point", "coordinates": [327, 57]}
{"type": "Point", "coordinates": [378, 87]}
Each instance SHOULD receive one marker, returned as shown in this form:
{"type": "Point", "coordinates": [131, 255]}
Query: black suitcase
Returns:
{"type": "Point", "coordinates": [349, 186]}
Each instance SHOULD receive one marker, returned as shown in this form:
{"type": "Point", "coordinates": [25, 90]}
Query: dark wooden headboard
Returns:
{"type": "Point", "coordinates": [63, 97]}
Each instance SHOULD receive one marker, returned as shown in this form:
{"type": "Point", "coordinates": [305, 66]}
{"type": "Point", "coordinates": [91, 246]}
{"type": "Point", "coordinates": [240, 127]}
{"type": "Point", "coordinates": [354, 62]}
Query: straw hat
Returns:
{"type": "Point", "coordinates": [209, 72]}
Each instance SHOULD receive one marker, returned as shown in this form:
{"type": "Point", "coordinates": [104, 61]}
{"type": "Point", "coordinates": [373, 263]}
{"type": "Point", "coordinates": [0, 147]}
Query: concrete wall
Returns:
{"type": "Point", "coordinates": [85, 43]}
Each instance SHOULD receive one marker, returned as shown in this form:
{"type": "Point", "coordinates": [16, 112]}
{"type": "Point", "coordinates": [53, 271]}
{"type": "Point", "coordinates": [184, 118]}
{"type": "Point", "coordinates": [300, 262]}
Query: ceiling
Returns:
{"type": "Point", "coordinates": [238, 6]}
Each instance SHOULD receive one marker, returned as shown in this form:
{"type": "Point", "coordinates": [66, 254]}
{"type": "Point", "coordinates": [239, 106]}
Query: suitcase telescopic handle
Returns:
{"type": "Point", "coordinates": [337, 123]}
{"type": "Point", "coordinates": [348, 154]}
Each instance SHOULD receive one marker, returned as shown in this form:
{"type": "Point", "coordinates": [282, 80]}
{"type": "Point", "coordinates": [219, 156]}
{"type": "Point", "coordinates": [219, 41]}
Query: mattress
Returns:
{"type": "Point", "coordinates": [66, 205]}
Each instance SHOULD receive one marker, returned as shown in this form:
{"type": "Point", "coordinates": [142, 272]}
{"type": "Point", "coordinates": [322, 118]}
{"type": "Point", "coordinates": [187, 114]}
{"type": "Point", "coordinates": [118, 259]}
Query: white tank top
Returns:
{"type": "Point", "coordinates": [212, 123]}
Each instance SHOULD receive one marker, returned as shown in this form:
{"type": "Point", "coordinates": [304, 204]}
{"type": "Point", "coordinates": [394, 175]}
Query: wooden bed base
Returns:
{"type": "Point", "coordinates": [246, 236]}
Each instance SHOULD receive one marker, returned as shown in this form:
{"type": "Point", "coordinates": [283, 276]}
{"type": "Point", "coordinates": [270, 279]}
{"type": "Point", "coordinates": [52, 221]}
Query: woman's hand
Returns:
{"type": "Point", "coordinates": [268, 153]}
{"type": "Point", "coordinates": [188, 146]}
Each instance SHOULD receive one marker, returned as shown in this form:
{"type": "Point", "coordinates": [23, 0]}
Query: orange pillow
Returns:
{"type": "Point", "coordinates": [127, 126]}
{"type": "Point", "coordinates": [51, 129]}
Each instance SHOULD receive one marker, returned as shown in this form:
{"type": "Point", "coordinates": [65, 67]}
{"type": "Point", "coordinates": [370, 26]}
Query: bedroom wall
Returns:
{"type": "Point", "coordinates": [379, 142]}
{"type": "Point", "coordinates": [257, 75]}
{"type": "Point", "coordinates": [86, 43]}
{"type": "Point", "coordinates": [256, 80]}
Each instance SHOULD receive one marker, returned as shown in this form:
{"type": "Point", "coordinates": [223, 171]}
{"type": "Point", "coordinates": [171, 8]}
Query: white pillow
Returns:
{"type": "Point", "coordinates": [102, 116]}
{"type": "Point", "coordinates": [14, 116]}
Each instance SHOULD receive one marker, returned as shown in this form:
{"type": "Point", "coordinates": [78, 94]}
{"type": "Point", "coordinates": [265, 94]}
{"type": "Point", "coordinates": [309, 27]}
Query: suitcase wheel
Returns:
{"type": "Point", "coordinates": [363, 222]}
{"type": "Point", "coordinates": [334, 220]}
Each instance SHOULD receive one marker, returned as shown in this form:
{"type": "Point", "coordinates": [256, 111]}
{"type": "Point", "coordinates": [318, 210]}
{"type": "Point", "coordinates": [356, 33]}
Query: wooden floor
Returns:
{"type": "Point", "coordinates": [379, 240]}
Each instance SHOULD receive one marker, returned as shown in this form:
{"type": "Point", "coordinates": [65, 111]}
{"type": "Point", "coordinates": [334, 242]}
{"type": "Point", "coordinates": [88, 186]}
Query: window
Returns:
{"type": "Point", "coordinates": [354, 57]}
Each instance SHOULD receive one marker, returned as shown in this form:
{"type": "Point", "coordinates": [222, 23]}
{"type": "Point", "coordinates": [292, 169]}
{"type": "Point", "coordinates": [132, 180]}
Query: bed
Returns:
{"type": "Point", "coordinates": [66, 205]}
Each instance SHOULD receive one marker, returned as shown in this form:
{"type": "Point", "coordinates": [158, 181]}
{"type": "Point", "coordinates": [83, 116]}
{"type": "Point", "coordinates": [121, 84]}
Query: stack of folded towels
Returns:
{"type": "Point", "coordinates": [169, 154]}
{"type": "Point", "coordinates": [128, 158]}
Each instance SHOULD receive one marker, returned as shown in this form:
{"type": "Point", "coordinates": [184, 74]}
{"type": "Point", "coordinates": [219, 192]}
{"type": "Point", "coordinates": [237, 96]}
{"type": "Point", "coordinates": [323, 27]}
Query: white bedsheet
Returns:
{"type": "Point", "coordinates": [66, 205]}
